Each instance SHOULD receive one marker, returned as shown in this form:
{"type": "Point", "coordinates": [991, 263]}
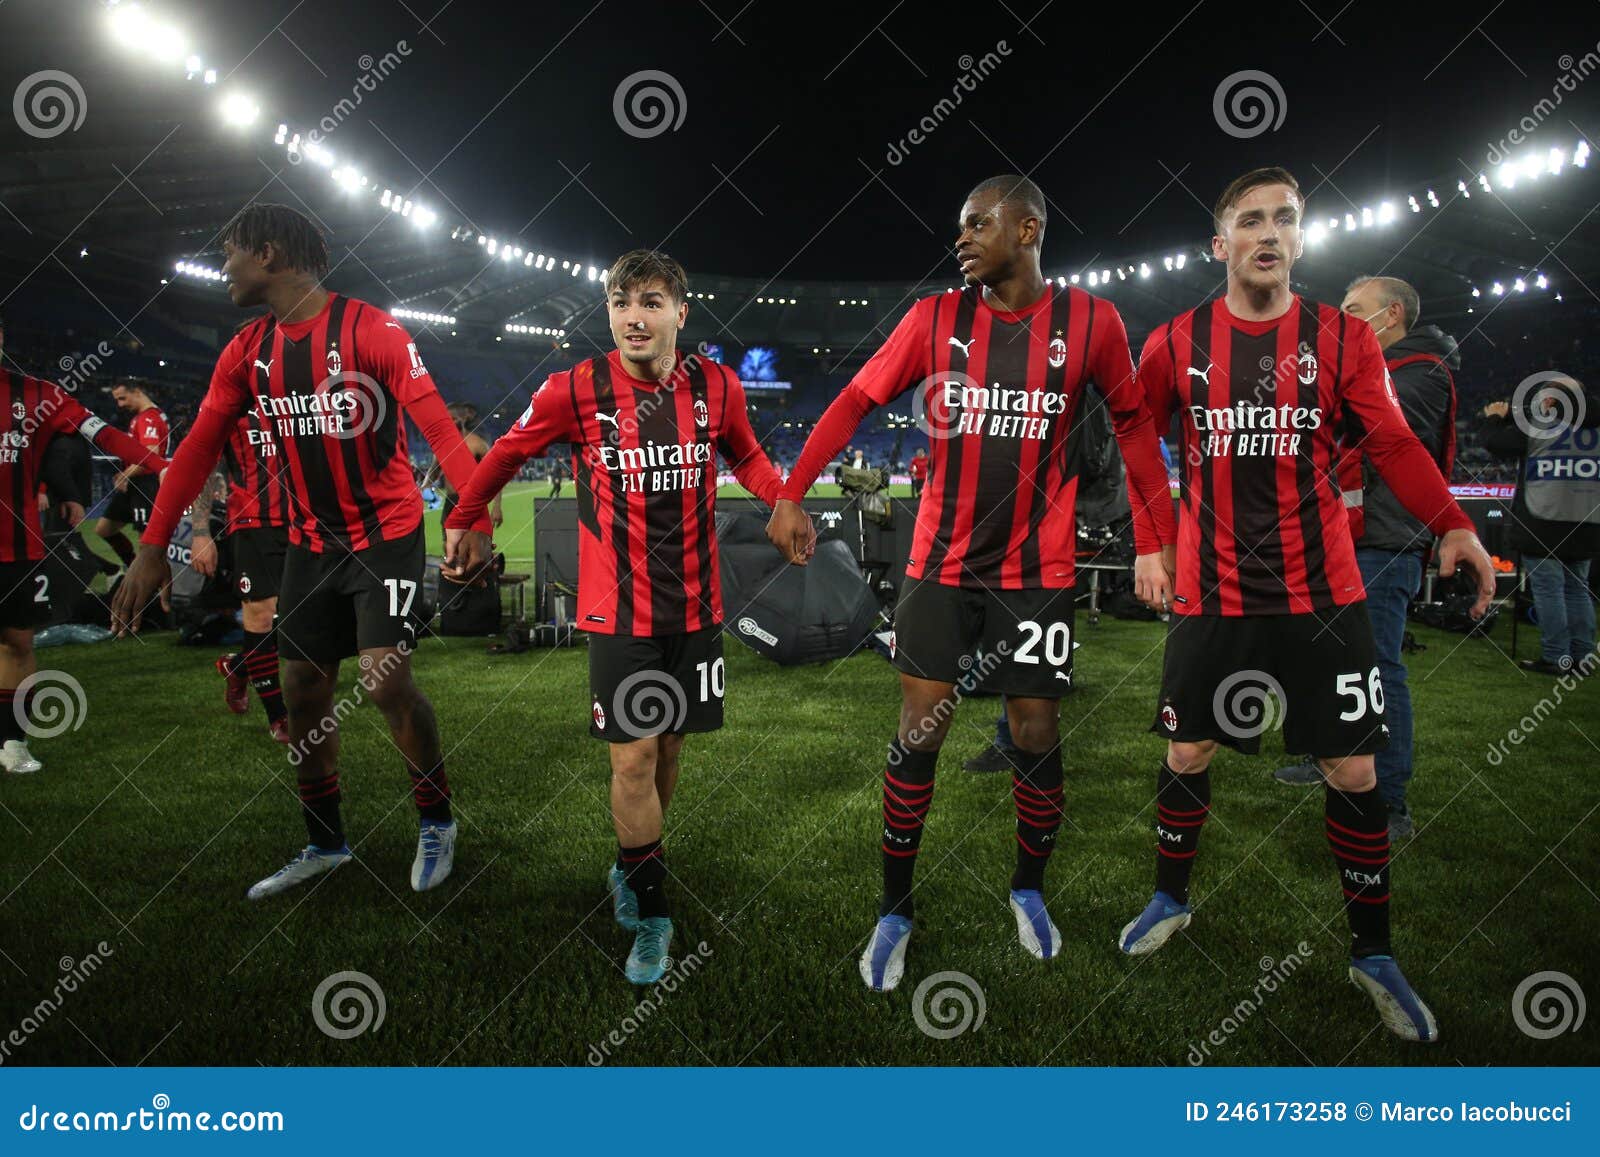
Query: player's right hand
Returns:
{"type": "Point", "coordinates": [139, 588]}
{"type": "Point", "coordinates": [1152, 581]}
{"type": "Point", "coordinates": [791, 531]}
{"type": "Point", "coordinates": [467, 554]}
{"type": "Point", "coordinates": [203, 555]}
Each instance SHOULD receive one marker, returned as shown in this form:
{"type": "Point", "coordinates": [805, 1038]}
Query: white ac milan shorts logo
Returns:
{"type": "Point", "coordinates": [244, 584]}
{"type": "Point", "coordinates": [599, 715]}
{"type": "Point", "coordinates": [1169, 717]}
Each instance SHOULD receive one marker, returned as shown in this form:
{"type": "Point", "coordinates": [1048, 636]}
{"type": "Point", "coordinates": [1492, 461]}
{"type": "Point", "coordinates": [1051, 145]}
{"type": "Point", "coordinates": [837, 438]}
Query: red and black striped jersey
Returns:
{"type": "Point", "coordinates": [258, 488]}
{"type": "Point", "coordinates": [1000, 395]}
{"type": "Point", "coordinates": [1262, 528]}
{"type": "Point", "coordinates": [150, 429]}
{"type": "Point", "coordinates": [645, 458]}
{"type": "Point", "coordinates": [35, 412]}
{"type": "Point", "coordinates": [335, 391]}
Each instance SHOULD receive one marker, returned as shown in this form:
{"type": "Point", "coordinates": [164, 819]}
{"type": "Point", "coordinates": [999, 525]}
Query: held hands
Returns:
{"type": "Point", "coordinates": [1497, 409]}
{"type": "Point", "coordinates": [1153, 576]}
{"type": "Point", "coordinates": [791, 530]}
{"type": "Point", "coordinates": [467, 554]}
{"type": "Point", "coordinates": [1461, 548]}
{"type": "Point", "coordinates": [146, 579]}
{"type": "Point", "coordinates": [120, 482]}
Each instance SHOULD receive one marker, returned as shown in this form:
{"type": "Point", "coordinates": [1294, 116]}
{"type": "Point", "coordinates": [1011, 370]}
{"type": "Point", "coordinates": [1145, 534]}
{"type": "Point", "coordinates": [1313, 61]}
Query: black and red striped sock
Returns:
{"type": "Point", "coordinates": [646, 869]}
{"type": "Point", "coordinates": [907, 792]}
{"type": "Point", "coordinates": [10, 723]}
{"type": "Point", "coordinates": [1036, 792]}
{"type": "Point", "coordinates": [1358, 835]}
{"type": "Point", "coordinates": [431, 791]}
{"type": "Point", "coordinates": [1182, 804]}
{"type": "Point", "coordinates": [319, 801]}
{"type": "Point", "coordinates": [260, 666]}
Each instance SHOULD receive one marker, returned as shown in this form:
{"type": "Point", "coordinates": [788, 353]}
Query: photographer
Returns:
{"type": "Point", "coordinates": [1555, 516]}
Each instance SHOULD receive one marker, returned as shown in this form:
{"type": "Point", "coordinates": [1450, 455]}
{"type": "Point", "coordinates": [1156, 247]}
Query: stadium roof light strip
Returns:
{"type": "Point", "coordinates": [1532, 166]}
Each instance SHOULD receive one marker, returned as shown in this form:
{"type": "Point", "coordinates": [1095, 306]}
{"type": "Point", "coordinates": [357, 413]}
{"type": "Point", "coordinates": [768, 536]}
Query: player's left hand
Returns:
{"type": "Point", "coordinates": [120, 482]}
{"type": "Point", "coordinates": [203, 555]}
{"type": "Point", "coordinates": [71, 511]}
{"type": "Point", "coordinates": [497, 516]}
{"type": "Point", "coordinates": [1152, 583]}
{"type": "Point", "coordinates": [1461, 548]}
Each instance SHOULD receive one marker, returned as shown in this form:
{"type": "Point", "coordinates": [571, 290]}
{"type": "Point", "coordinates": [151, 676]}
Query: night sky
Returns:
{"type": "Point", "coordinates": [502, 115]}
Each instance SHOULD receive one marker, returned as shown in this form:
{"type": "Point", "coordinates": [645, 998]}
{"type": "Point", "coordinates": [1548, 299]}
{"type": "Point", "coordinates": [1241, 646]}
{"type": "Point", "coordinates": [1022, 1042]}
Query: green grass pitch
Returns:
{"type": "Point", "coordinates": [152, 818]}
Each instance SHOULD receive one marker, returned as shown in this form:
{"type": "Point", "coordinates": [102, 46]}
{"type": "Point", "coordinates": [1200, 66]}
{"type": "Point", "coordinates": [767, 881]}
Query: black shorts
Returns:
{"type": "Point", "coordinates": [333, 604]}
{"type": "Point", "coordinates": [641, 686]}
{"type": "Point", "coordinates": [1014, 642]}
{"type": "Point", "coordinates": [1321, 669]}
{"type": "Point", "coordinates": [133, 503]}
{"type": "Point", "coordinates": [24, 595]}
{"type": "Point", "coordinates": [258, 557]}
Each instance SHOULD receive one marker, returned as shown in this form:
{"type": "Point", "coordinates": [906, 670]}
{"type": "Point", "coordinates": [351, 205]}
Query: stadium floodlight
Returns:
{"type": "Point", "coordinates": [1350, 221]}
{"type": "Point", "coordinates": [528, 260]}
{"type": "Point", "coordinates": [166, 42]}
{"type": "Point", "coordinates": [1580, 155]}
{"type": "Point", "coordinates": [517, 252]}
{"type": "Point", "coordinates": [1519, 285]}
{"type": "Point", "coordinates": [193, 64]}
{"type": "Point", "coordinates": [210, 76]}
{"type": "Point", "coordinates": [493, 246]}
{"type": "Point", "coordinates": [1497, 289]}
{"type": "Point", "coordinates": [422, 218]}
{"type": "Point", "coordinates": [1554, 160]}
{"type": "Point", "coordinates": [1105, 275]}
{"type": "Point", "coordinates": [565, 264]}
{"type": "Point", "coordinates": [240, 111]}
{"type": "Point", "coordinates": [1144, 269]}
{"type": "Point", "coordinates": [505, 253]}
{"type": "Point", "coordinates": [319, 153]}
{"type": "Point", "coordinates": [129, 25]}
{"type": "Point", "coordinates": [1073, 279]}
{"type": "Point", "coordinates": [1543, 282]}
{"type": "Point", "coordinates": [540, 260]}
{"type": "Point", "coordinates": [1532, 166]}
{"type": "Point", "coordinates": [1386, 213]}
{"type": "Point", "coordinates": [1094, 279]}
{"type": "Point", "coordinates": [482, 239]}
{"type": "Point", "coordinates": [1483, 182]}
{"type": "Point", "coordinates": [1316, 233]}
{"type": "Point", "coordinates": [1475, 292]}
{"type": "Point", "coordinates": [1166, 263]}
{"type": "Point", "coordinates": [1413, 204]}
{"type": "Point", "coordinates": [1433, 198]}
{"type": "Point", "coordinates": [1366, 217]}
{"type": "Point", "coordinates": [282, 135]}
{"type": "Point", "coordinates": [1180, 260]}
{"type": "Point", "coordinates": [405, 209]}
{"type": "Point", "coordinates": [1506, 176]}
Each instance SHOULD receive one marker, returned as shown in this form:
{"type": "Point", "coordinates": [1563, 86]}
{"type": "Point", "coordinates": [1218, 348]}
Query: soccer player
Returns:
{"type": "Point", "coordinates": [646, 423]}
{"type": "Point", "coordinates": [329, 375]}
{"type": "Point", "coordinates": [1002, 367]}
{"type": "Point", "coordinates": [35, 413]}
{"type": "Point", "coordinates": [135, 495]}
{"type": "Point", "coordinates": [1268, 593]}
{"type": "Point", "coordinates": [919, 471]}
{"type": "Point", "coordinates": [257, 532]}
